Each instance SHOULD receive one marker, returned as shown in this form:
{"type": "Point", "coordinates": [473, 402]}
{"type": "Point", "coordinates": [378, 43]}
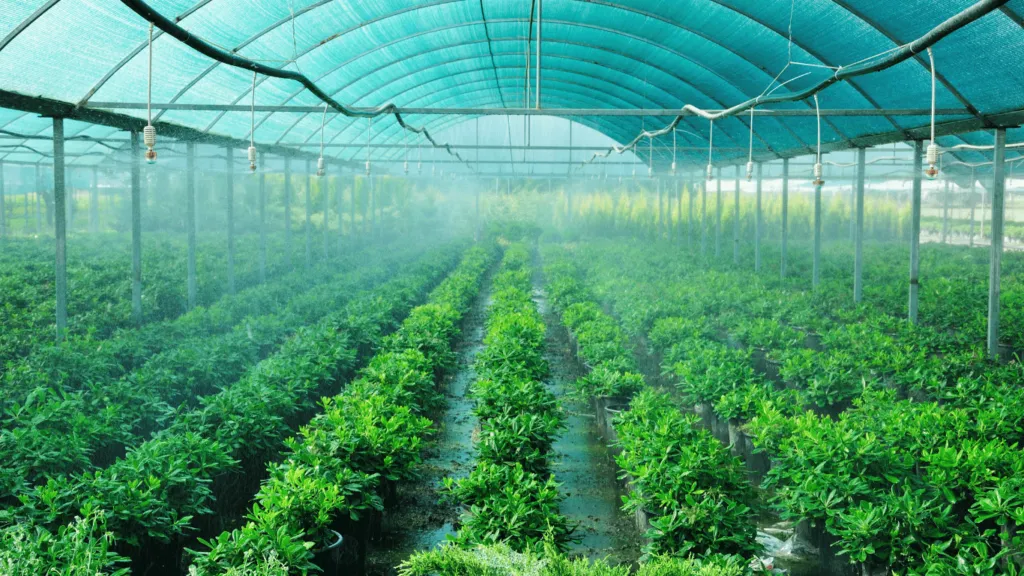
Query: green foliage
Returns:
{"type": "Point", "coordinates": [81, 548]}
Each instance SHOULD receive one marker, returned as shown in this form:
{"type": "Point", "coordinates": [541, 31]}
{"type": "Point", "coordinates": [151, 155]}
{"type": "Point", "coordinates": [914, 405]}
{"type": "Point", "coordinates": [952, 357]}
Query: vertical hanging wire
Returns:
{"type": "Point", "coordinates": [673, 150]}
{"type": "Point", "coordinates": [320, 161]}
{"type": "Point", "coordinates": [252, 114]}
{"type": "Point", "coordinates": [149, 84]}
{"type": "Point", "coordinates": [369, 132]}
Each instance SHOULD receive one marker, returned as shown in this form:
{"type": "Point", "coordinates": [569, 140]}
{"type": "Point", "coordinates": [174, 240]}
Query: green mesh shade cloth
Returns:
{"type": "Point", "coordinates": [653, 54]}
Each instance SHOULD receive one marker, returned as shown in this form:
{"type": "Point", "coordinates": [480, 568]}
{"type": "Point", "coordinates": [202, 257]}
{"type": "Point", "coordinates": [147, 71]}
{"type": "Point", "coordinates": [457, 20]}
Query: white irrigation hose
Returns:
{"type": "Point", "coordinates": [933, 147]}
{"type": "Point", "coordinates": [817, 163]}
{"type": "Point", "coordinates": [673, 151]}
{"type": "Point", "coordinates": [320, 169]}
{"type": "Point", "coordinates": [252, 127]}
{"type": "Point", "coordinates": [149, 132]}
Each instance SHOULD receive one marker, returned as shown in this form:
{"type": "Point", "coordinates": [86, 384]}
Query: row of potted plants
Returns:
{"type": "Point", "coordinates": [195, 474]}
{"type": "Point", "coordinates": [63, 430]}
{"type": "Point", "coordinates": [886, 462]}
{"type": "Point", "coordinates": [511, 496]}
{"type": "Point", "coordinates": [341, 470]}
{"type": "Point", "coordinates": [684, 487]}
{"type": "Point", "coordinates": [99, 291]}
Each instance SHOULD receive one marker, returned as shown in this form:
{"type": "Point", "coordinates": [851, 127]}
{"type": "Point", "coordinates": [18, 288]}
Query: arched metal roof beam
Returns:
{"type": "Point", "coordinates": [619, 129]}
{"type": "Point", "coordinates": [419, 33]}
{"type": "Point", "coordinates": [557, 41]}
{"type": "Point", "coordinates": [515, 79]}
{"type": "Point", "coordinates": [614, 130]}
{"type": "Point", "coordinates": [587, 92]}
{"type": "Point", "coordinates": [566, 70]}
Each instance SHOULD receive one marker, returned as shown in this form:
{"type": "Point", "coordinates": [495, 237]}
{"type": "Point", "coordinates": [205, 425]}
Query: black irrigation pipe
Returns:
{"type": "Point", "coordinates": [185, 37]}
{"type": "Point", "coordinates": [871, 65]}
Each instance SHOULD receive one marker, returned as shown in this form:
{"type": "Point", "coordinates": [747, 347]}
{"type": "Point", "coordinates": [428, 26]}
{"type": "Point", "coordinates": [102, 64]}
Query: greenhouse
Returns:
{"type": "Point", "coordinates": [511, 287]}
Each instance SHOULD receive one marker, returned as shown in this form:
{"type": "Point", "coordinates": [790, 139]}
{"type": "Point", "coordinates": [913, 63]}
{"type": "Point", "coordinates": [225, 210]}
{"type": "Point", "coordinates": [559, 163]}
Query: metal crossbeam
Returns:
{"type": "Point", "coordinates": [669, 112]}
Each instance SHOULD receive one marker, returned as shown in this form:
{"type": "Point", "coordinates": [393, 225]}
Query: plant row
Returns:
{"type": "Point", "coordinates": [196, 473]}
{"type": "Point", "coordinates": [99, 285]}
{"type": "Point", "coordinates": [684, 483]}
{"type": "Point", "coordinates": [343, 465]}
{"type": "Point", "coordinates": [901, 457]}
{"type": "Point", "coordinates": [510, 496]}
{"type": "Point", "coordinates": [83, 421]}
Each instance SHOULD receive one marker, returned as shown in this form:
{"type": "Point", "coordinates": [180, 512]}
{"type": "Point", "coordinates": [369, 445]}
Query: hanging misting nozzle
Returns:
{"type": "Point", "coordinates": [933, 161]}
{"type": "Point", "coordinates": [419, 167]}
{"type": "Point", "coordinates": [252, 158]}
{"type": "Point", "coordinates": [673, 167]}
{"type": "Point", "coordinates": [650, 171]}
{"type": "Point", "coordinates": [710, 174]}
{"type": "Point", "coordinates": [320, 171]}
{"type": "Point", "coordinates": [750, 171]}
{"type": "Point", "coordinates": [367, 167]}
{"type": "Point", "coordinates": [817, 175]}
{"type": "Point", "coordinates": [149, 139]}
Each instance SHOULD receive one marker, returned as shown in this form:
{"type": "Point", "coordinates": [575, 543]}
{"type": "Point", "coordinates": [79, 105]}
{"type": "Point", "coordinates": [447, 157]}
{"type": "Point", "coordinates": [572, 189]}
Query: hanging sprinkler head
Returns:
{"type": "Point", "coordinates": [320, 170]}
{"type": "Point", "coordinates": [367, 167]}
{"type": "Point", "coordinates": [673, 167]}
{"type": "Point", "coordinates": [419, 167]}
{"type": "Point", "coordinates": [710, 173]}
{"type": "Point", "coordinates": [817, 175]}
{"type": "Point", "coordinates": [149, 139]}
{"type": "Point", "coordinates": [406, 167]}
{"type": "Point", "coordinates": [750, 171]}
{"type": "Point", "coordinates": [252, 158]}
{"type": "Point", "coordinates": [634, 172]}
{"type": "Point", "coordinates": [650, 172]}
{"type": "Point", "coordinates": [933, 161]}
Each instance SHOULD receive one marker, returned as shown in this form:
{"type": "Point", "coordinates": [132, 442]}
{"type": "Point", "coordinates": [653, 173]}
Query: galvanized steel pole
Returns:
{"type": "Point", "coordinates": [718, 213]}
{"type": "Point", "coordinates": [263, 217]}
{"type": "Point", "coordinates": [3, 206]}
{"type": "Point", "coordinates": [61, 262]}
{"type": "Point", "coordinates": [190, 219]}
{"type": "Point", "coordinates": [816, 269]}
{"type": "Point", "coordinates": [858, 262]}
{"type": "Point", "coordinates": [996, 253]}
{"type": "Point", "coordinates": [94, 202]}
{"type": "Point", "coordinates": [785, 216]}
{"type": "Point", "coordinates": [309, 214]}
{"type": "Point", "coordinates": [758, 224]}
{"type": "Point", "coordinates": [945, 213]}
{"type": "Point", "coordinates": [915, 233]}
{"type": "Point", "coordinates": [230, 189]}
{"type": "Point", "coordinates": [288, 212]}
{"type": "Point", "coordinates": [136, 231]}
{"type": "Point", "coordinates": [736, 221]}
{"type": "Point", "coordinates": [704, 228]}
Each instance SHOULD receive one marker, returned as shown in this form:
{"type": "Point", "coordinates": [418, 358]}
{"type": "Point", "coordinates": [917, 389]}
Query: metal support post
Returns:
{"type": "Point", "coordinates": [263, 217]}
{"type": "Point", "coordinates": [3, 206]}
{"type": "Point", "coordinates": [996, 254]}
{"type": "Point", "coordinates": [945, 213]}
{"type": "Point", "coordinates": [230, 190]}
{"type": "Point", "coordinates": [718, 213]}
{"type": "Point", "coordinates": [288, 213]}
{"type": "Point", "coordinates": [915, 233]}
{"type": "Point", "coordinates": [325, 191]}
{"type": "Point", "coordinates": [704, 228]}
{"type": "Point", "coordinates": [309, 214]}
{"type": "Point", "coordinates": [853, 207]}
{"type": "Point", "coordinates": [190, 219]}
{"type": "Point", "coordinates": [61, 262]}
{"type": "Point", "coordinates": [858, 261]}
{"type": "Point", "coordinates": [736, 221]}
{"type": "Point", "coordinates": [94, 202]}
{"type": "Point", "coordinates": [785, 217]}
{"type": "Point", "coordinates": [758, 224]}
{"type": "Point", "coordinates": [136, 230]}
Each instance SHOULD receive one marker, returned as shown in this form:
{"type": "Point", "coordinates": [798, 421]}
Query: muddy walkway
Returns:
{"type": "Point", "coordinates": [422, 520]}
{"type": "Point", "coordinates": [581, 462]}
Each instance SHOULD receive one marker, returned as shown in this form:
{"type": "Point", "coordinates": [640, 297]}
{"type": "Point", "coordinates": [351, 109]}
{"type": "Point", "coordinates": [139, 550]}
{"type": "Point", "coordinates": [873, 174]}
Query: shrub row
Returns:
{"type": "Point", "coordinates": [511, 497]}
{"type": "Point", "coordinates": [343, 464]}
{"type": "Point", "coordinates": [210, 459]}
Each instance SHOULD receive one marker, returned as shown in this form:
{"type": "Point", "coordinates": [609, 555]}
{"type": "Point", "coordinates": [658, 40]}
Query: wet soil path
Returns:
{"type": "Point", "coordinates": [422, 520]}
{"type": "Point", "coordinates": [581, 462]}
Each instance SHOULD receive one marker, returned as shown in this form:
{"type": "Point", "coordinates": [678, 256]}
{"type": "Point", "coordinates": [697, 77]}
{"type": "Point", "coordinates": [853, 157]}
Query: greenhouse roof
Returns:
{"type": "Point", "coordinates": [623, 55]}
